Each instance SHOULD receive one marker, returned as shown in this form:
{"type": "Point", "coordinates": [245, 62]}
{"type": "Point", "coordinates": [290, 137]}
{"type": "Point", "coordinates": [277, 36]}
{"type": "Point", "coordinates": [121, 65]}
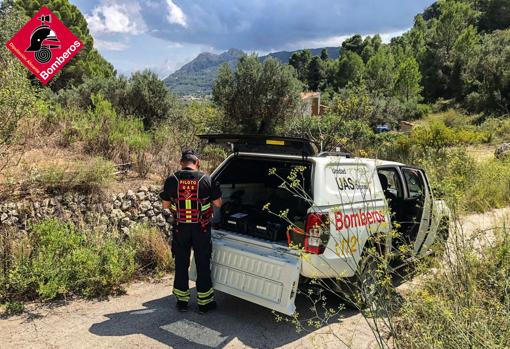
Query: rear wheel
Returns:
{"type": "Point", "coordinates": [366, 282]}
{"type": "Point", "coordinates": [369, 285]}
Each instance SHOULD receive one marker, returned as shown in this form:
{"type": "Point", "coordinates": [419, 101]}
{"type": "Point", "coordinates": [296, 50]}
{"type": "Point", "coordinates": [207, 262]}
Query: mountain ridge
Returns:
{"type": "Point", "coordinates": [196, 77]}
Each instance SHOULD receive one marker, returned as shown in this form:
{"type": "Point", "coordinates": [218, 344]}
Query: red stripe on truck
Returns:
{"type": "Point", "coordinates": [357, 219]}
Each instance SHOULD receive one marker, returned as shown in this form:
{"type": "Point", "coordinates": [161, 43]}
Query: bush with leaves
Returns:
{"type": "Point", "coordinates": [332, 131]}
{"type": "Point", "coordinates": [58, 260]}
{"type": "Point", "coordinates": [143, 95]}
{"type": "Point", "coordinates": [487, 78]}
{"type": "Point", "coordinates": [257, 97]}
{"type": "Point", "coordinates": [107, 133]}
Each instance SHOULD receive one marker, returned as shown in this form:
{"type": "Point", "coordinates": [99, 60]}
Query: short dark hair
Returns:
{"type": "Point", "coordinates": [189, 155]}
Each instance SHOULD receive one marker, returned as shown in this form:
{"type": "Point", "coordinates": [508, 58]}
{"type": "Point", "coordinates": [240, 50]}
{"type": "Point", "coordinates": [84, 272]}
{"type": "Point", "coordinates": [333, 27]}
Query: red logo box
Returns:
{"type": "Point", "coordinates": [44, 45]}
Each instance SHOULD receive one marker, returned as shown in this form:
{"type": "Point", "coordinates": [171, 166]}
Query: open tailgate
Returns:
{"type": "Point", "coordinates": [254, 272]}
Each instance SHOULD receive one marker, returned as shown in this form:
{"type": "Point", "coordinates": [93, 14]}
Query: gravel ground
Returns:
{"type": "Point", "coordinates": [145, 317]}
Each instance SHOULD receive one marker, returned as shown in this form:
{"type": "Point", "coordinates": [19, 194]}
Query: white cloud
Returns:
{"type": "Point", "coordinates": [335, 41]}
{"type": "Point", "coordinates": [110, 45]}
{"type": "Point", "coordinates": [167, 67]}
{"type": "Point", "coordinates": [176, 15]}
{"type": "Point", "coordinates": [174, 44]}
{"type": "Point", "coordinates": [116, 18]}
{"type": "Point", "coordinates": [386, 37]}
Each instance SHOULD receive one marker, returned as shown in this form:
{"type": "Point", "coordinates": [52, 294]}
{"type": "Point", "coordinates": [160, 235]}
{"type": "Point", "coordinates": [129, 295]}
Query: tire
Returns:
{"type": "Point", "coordinates": [363, 290]}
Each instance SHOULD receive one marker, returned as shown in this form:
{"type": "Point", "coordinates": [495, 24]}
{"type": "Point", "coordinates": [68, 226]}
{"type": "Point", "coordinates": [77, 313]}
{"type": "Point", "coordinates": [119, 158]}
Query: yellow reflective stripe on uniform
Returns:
{"type": "Point", "coordinates": [206, 206]}
{"type": "Point", "coordinates": [181, 293]}
{"type": "Point", "coordinates": [188, 207]}
{"type": "Point", "coordinates": [205, 294]}
{"type": "Point", "coordinates": [204, 301]}
{"type": "Point", "coordinates": [173, 207]}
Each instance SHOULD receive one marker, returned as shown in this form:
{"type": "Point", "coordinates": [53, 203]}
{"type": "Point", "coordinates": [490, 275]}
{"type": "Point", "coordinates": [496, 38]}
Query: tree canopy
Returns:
{"type": "Point", "coordinates": [256, 97]}
{"type": "Point", "coordinates": [457, 51]}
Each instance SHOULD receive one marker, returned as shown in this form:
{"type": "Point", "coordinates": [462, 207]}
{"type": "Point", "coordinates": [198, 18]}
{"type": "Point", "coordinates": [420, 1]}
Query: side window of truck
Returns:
{"type": "Point", "coordinates": [392, 178]}
{"type": "Point", "coordinates": [415, 184]}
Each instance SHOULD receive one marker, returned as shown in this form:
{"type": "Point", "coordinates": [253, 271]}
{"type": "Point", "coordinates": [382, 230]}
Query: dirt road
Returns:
{"type": "Point", "coordinates": [145, 317]}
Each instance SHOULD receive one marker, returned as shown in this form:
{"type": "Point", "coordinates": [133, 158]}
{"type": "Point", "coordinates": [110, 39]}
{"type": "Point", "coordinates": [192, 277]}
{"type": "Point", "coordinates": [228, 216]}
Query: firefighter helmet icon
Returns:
{"type": "Point", "coordinates": [40, 40]}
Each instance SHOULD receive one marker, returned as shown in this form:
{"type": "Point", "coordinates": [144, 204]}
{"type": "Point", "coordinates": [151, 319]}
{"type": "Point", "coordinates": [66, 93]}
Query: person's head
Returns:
{"type": "Point", "coordinates": [189, 159]}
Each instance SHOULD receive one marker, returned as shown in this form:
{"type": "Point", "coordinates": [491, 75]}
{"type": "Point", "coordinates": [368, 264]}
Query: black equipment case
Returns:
{"type": "Point", "coordinates": [256, 223]}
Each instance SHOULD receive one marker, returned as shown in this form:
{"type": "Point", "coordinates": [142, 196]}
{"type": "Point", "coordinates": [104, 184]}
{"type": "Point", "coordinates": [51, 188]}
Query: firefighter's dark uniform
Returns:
{"type": "Point", "coordinates": [191, 194]}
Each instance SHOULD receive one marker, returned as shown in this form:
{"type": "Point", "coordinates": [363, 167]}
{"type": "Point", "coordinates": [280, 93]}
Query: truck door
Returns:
{"type": "Point", "coordinates": [418, 209]}
{"type": "Point", "coordinates": [260, 273]}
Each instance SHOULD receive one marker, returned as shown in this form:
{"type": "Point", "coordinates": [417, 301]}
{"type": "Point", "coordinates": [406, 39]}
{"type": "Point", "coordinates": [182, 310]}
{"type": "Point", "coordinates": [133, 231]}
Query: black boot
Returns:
{"type": "Point", "coordinates": [182, 306]}
{"type": "Point", "coordinates": [202, 309]}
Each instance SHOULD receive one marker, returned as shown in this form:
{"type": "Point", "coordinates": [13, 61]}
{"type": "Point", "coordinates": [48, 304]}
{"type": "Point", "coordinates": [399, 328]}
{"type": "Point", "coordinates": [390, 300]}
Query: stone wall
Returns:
{"type": "Point", "coordinates": [102, 211]}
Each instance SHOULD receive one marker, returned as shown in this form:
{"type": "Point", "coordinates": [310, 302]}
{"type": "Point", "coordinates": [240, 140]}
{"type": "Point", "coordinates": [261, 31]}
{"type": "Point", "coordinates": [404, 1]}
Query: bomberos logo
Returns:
{"type": "Point", "coordinates": [44, 45]}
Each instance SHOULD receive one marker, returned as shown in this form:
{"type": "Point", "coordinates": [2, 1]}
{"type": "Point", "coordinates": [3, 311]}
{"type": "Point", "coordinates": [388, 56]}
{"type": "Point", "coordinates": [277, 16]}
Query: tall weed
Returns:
{"type": "Point", "coordinates": [463, 304]}
{"type": "Point", "coordinates": [152, 249]}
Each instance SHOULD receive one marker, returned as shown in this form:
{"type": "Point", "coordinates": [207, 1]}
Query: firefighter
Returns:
{"type": "Point", "coordinates": [190, 195]}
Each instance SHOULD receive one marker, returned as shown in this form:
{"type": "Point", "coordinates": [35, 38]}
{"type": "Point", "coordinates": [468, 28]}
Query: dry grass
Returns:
{"type": "Point", "coordinates": [481, 152]}
{"type": "Point", "coordinates": [37, 160]}
{"type": "Point", "coordinates": [153, 250]}
{"type": "Point", "coordinates": [464, 302]}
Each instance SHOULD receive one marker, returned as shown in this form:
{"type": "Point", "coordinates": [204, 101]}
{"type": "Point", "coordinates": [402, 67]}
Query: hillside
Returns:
{"type": "Point", "coordinates": [196, 77]}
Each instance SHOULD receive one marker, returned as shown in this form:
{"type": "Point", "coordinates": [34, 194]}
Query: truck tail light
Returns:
{"type": "Point", "coordinates": [316, 226]}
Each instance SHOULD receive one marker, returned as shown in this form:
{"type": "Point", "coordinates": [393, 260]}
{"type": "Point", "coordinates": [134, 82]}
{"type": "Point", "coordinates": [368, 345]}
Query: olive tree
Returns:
{"type": "Point", "coordinates": [256, 97]}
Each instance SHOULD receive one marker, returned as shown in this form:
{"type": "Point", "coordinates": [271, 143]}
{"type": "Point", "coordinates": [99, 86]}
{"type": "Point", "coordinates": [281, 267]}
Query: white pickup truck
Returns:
{"type": "Point", "coordinates": [251, 257]}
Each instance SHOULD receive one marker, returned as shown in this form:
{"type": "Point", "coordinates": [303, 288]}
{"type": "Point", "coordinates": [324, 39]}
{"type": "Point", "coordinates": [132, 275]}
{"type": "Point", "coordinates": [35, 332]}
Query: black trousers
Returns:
{"type": "Point", "coordinates": [186, 237]}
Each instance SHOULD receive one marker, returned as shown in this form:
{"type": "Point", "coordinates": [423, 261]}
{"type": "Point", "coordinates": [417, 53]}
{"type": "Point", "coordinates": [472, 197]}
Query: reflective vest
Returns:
{"type": "Point", "coordinates": [188, 207]}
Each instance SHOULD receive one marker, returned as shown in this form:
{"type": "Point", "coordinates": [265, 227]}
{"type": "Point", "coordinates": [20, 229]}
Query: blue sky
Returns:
{"type": "Point", "coordinates": [165, 34]}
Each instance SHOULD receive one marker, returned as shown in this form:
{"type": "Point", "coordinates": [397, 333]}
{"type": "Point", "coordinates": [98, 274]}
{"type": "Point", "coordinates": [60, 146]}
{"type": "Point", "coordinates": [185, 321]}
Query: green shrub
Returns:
{"type": "Point", "coordinates": [13, 308]}
{"type": "Point", "coordinates": [498, 129]}
{"type": "Point", "coordinates": [466, 184]}
{"type": "Point", "coordinates": [331, 130]}
{"type": "Point", "coordinates": [448, 129]}
{"type": "Point", "coordinates": [58, 260]}
{"type": "Point", "coordinates": [17, 95]}
{"type": "Point", "coordinates": [107, 133]}
{"type": "Point", "coordinates": [453, 118]}
{"type": "Point", "coordinates": [451, 173]}
{"type": "Point", "coordinates": [83, 263]}
{"type": "Point", "coordinates": [213, 156]}
{"type": "Point", "coordinates": [435, 136]}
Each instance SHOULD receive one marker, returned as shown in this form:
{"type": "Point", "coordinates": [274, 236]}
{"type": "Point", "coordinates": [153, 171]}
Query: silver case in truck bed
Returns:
{"type": "Point", "coordinates": [261, 273]}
